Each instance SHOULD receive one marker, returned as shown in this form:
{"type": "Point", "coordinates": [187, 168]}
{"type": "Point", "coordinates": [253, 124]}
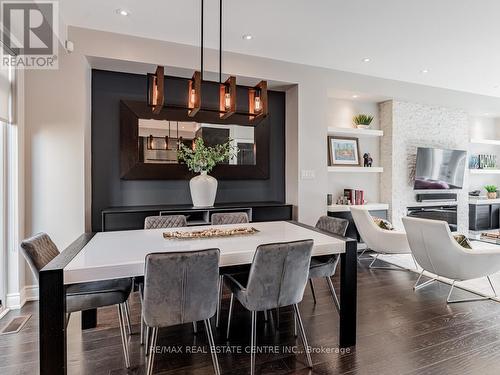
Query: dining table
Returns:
{"type": "Point", "coordinates": [121, 254]}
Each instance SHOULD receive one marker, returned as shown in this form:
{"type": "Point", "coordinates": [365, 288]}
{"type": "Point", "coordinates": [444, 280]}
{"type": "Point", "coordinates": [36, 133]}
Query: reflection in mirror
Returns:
{"type": "Point", "coordinates": [159, 140]}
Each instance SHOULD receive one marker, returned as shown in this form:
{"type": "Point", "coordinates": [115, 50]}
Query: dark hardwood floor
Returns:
{"type": "Point", "coordinates": [399, 332]}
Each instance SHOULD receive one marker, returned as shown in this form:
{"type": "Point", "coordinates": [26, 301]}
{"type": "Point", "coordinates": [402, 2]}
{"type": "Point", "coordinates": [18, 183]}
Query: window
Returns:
{"type": "Point", "coordinates": [8, 166]}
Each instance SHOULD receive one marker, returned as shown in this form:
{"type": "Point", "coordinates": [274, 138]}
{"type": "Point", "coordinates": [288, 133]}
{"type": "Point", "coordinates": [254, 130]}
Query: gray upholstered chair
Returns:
{"type": "Point", "coordinates": [158, 222]}
{"type": "Point", "coordinates": [167, 221]}
{"type": "Point", "coordinates": [277, 278]}
{"type": "Point", "coordinates": [325, 266]}
{"type": "Point", "coordinates": [180, 288]}
{"type": "Point", "coordinates": [222, 218]}
{"type": "Point", "coordinates": [39, 250]}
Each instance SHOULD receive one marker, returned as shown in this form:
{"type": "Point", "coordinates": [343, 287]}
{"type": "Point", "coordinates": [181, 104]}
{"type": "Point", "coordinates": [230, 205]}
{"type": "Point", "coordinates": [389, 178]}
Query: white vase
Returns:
{"type": "Point", "coordinates": [203, 190]}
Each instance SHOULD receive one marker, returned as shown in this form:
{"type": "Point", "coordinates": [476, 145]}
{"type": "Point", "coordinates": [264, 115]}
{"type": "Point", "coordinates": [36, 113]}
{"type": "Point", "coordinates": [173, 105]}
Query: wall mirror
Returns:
{"type": "Point", "coordinates": [149, 144]}
{"type": "Point", "coordinates": [159, 140]}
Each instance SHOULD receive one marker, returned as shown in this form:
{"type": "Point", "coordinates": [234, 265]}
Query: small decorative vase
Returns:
{"type": "Point", "coordinates": [492, 195]}
{"type": "Point", "coordinates": [203, 190]}
{"type": "Point", "coordinates": [363, 126]}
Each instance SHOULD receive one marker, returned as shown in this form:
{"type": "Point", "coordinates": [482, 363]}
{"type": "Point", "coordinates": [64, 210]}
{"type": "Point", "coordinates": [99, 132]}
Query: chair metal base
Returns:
{"type": "Point", "coordinates": [481, 298]}
{"type": "Point", "coordinates": [154, 337]}
{"type": "Point", "coordinates": [418, 286]}
{"type": "Point", "coordinates": [332, 291]}
{"type": "Point", "coordinates": [393, 267]}
{"type": "Point", "coordinates": [123, 332]}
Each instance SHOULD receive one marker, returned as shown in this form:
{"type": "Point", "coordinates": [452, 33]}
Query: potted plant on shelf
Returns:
{"type": "Point", "coordinates": [491, 191]}
{"type": "Point", "coordinates": [202, 159]}
{"type": "Point", "coordinates": [362, 121]}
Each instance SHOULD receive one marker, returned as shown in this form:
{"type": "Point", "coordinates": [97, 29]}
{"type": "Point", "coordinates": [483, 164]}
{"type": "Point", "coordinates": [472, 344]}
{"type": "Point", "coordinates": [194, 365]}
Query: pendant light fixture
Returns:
{"type": "Point", "coordinates": [257, 96]}
{"type": "Point", "coordinates": [156, 95]}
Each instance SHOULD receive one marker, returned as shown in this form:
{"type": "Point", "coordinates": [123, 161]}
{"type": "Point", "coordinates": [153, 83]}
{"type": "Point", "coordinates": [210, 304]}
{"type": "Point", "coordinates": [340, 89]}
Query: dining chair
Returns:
{"type": "Point", "coordinates": [325, 266]}
{"type": "Point", "coordinates": [158, 222]}
{"type": "Point", "coordinates": [180, 288]}
{"type": "Point", "coordinates": [222, 218]}
{"type": "Point", "coordinates": [278, 276]}
{"type": "Point", "coordinates": [167, 221]}
{"type": "Point", "coordinates": [39, 250]}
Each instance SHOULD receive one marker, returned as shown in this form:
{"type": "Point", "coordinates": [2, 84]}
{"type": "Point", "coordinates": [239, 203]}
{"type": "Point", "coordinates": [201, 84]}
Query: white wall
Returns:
{"type": "Point", "coordinates": [408, 126]}
{"type": "Point", "coordinates": [57, 115]}
{"type": "Point", "coordinates": [340, 114]}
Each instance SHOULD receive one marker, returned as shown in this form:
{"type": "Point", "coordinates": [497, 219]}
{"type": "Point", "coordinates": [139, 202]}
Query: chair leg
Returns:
{"type": "Point", "coordinates": [195, 328]}
{"type": "Point", "coordinates": [492, 288]}
{"type": "Point", "coordinates": [418, 286]}
{"type": "Point", "coordinates": [211, 343]}
{"type": "Point", "coordinates": [253, 342]}
{"type": "Point", "coordinates": [123, 332]}
{"type": "Point", "coordinates": [312, 290]}
{"type": "Point", "coordinates": [294, 323]}
{"type": "Point", "coordinates": [68, 315]}
{"type": "Point", "coordinates": [127, 316]}
{"type": "Point", "coordinates": [448, 300]}
{"type": "Point", "coordinates": [219, 304]}
{"type": "Point", "coordinates": [334, 295]}
{"type": "Point", "coordinates": [265, 316]}
{"type": "Point", "coordinates": [229, 316]}
{"type": "Point", "coordinates": [151, 358]}
{"type": "Point", "coordinates": [303, 336]}
{"type": "Point", "coordinates": [394, 267]}
{"type": "Point", "coordinates": [278, 318]}
{"type": "Point", "coordinates": [146, 341]}
{"type": "Point", "coordinates": [142, 330]}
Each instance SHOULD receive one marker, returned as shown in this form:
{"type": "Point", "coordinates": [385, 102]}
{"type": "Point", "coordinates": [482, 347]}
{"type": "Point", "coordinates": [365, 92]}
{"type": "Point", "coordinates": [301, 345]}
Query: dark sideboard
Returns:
{"type": "Point", "coordinates": [484, 215]}
{"type": "Point", "coordinates": [132, 217]}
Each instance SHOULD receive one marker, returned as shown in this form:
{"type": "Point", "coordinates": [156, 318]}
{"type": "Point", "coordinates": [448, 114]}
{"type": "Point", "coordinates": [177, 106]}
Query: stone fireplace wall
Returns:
{"type": "Point", "coordinates": [407, 126]}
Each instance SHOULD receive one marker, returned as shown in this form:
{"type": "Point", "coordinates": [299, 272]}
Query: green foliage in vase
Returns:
{"type": "Point", "coordinates": [362, 119]}
{"type": "Point", "coordinates": [203, 158]}
{"type": "Point", "coordinates": [491, 188]}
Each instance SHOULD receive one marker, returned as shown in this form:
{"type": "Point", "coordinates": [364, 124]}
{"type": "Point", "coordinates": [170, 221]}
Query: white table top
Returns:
{"type": "Point", "coordinates": [112, 255]}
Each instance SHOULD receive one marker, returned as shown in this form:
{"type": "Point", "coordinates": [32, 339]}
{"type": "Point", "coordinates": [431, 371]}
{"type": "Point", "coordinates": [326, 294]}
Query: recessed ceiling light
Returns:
{"type": "Point", "coordinates": [486, 114]}
{"type": "Point", "coordinates": [123, 12]}
{"type": "Point", "coordinates": [367, 59]}
{"type": "Point", "coordinates": [247, 37]}
{"type": "Point", "coordinates": [355, 96]}
{"type": "Point", "coordinates": [424, 71]}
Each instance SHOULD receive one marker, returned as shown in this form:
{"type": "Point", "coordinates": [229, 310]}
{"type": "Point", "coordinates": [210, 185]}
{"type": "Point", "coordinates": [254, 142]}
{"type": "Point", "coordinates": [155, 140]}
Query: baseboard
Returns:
{"type": "Point", "coordinates": [15, 301]}
{"type": "Point", "coordinates": [30, 293]}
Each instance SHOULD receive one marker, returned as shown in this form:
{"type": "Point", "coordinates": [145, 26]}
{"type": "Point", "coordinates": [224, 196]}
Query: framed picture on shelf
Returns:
{"type": "Point", "coordinates": [343, 151]}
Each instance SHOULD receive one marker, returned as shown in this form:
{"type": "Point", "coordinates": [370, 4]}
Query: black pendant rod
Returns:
{"type": "Point", "coordinates": [220, 41]}
{"type": "Point", "coordinates": [201, 40]}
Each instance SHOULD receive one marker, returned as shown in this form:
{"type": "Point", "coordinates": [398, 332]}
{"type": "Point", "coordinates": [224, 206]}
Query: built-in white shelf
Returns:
{"type": "Point", "coordinates": [367, 206]}
{"type": "Point", "coordinates": [355, 169]}
{"type": "Point", "coordinates": [355, 132]}
{"type": "Point", "coordinates": [494, 142]}
{"type": "Point", "coordinates": [484, 171]}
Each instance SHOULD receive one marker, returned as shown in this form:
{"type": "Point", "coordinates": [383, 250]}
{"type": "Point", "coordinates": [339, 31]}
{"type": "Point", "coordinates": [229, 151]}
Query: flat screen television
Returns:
{"type": "Point", "coordinates": [439, 169]}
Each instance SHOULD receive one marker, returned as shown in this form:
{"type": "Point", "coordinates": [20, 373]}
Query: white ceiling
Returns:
{"type": "Point", "coordinates": [455, 40]}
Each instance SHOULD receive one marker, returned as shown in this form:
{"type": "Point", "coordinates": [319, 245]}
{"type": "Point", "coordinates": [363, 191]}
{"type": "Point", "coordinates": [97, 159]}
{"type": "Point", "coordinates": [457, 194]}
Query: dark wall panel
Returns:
{"type": "Point", "coordinates": [108, 190]}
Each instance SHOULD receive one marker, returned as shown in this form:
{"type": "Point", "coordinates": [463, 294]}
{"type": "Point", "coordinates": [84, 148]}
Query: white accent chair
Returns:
{"type": "Point", "coordinates": [438, 252]}
{"type": "Point", "coordinates": [379, 240]}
